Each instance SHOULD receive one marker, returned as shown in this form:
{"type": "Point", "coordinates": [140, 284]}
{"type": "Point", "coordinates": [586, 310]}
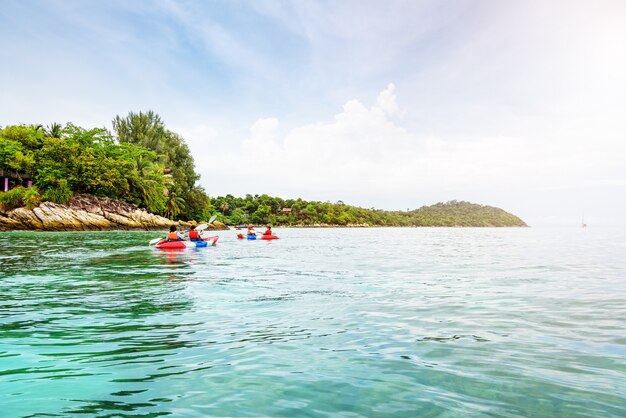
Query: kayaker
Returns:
{"type": "Point", "coordinates": [268, 231]}
{"type": "Point", "coordinates": [251, 230]}
{"type": "Point", "coordinates": [194, 235]}
{"type": "Point", "coordinates": [174, 235]}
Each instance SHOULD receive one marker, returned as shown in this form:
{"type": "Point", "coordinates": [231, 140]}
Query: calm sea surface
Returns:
{"type": "Point", "coordinates": [323, 322]}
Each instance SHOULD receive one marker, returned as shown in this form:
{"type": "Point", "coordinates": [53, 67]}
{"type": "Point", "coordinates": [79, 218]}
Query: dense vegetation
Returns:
{"type": "Point", "coordinates": [141, 162]}
{"type": "Point", "coordinates": [265, 209]}
{"type": "Point", "coordinates": [144, 163]}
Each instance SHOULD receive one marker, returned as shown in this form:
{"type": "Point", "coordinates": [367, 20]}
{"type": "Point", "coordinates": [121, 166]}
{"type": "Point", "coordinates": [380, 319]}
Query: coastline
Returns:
{"type": "Point", "coordinates": [351, 226]}
{"type": "Point", "coordinates": [91, 213]}
{"type": "Point", "coordinates": [88, 213]}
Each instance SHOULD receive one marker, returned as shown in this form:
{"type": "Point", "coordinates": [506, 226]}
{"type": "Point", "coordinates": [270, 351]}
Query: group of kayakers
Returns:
{"type": "Point", "coordinates": [174, 235]}
{"type": "Point", "coordinates": [252, 232]}
{"type": "Point", "coordinates": [194, 235]}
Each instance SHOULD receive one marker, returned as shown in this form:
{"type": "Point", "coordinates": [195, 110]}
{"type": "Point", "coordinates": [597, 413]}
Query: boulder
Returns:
{"type": "Point", "coordinates": [26, 218]}
{"type": "Point", "coordinates": [86, 212]}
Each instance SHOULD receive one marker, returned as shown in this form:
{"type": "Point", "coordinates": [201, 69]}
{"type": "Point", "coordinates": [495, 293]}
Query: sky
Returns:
{"type": "Point", "coordinates": [385, 104]}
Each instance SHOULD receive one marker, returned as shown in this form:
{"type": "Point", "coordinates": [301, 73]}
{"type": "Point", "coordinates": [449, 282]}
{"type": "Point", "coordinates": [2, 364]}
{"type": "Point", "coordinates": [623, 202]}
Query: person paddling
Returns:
{"type": "Point", "coordinates": [268, 231]}
{"type": "Point", "coordinates": [174, 235]}
{"type": "Point", "coordinates": [251, 230]}
{"type": "Point", "coordinates": [194, 235]}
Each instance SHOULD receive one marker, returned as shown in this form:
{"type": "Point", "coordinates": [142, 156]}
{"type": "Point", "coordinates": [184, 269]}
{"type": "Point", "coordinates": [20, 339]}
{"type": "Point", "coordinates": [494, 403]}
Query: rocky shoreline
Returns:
{"type": "Point", "coordinates": [87, 213]}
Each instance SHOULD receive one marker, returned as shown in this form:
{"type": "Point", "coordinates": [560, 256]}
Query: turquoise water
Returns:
{"type": "Point", "coordinates": [341, 322]}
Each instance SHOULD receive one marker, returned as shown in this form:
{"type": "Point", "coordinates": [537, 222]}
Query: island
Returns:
{"type": "Point", "coordinates": [143, 176]}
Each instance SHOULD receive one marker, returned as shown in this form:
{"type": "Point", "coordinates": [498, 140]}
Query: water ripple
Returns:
{"type": "Point", "coordinates": [358, 322]}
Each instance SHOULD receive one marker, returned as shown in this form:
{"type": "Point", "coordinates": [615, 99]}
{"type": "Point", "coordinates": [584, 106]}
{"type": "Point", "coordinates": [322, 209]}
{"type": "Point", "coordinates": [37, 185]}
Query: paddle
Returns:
{"type": "Point", "coordinates": [199, 228]}
{"type": "Point", "coordinates": [154, 241]}
{"type": "Point", "coordinates": [202, 227]}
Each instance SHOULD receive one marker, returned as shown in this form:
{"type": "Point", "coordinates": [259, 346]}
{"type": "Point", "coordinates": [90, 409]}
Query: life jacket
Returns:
{"type": "Point", "coordinates": [172, 236]}
{"type": "Point", "coordinates": [194, 234]}
{"type": "Point", "coordinates": [267, 232]}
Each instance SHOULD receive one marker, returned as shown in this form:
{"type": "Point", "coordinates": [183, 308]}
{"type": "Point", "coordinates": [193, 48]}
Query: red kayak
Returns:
{"type": "Point", "coordinates": [211, 240]}
{"type": "Point", "coordinates": [266, 237]}
{"type": "Point", "coordinates": [171, 244]}
{"type": "Point", "coordinates": [248, 237]}
{"type": "Point", "coordinates": [184, 244]}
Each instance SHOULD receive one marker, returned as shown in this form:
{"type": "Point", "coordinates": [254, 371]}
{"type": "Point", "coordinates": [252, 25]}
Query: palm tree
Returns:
{"type": "Point", "coordinates": [54, 130]}
{"type": "Point", "coordinates": [224, 207]}
{"type": "Point", "coordinates": [174, 205]}
{"type": "Point", "coordinates": [147, 180]}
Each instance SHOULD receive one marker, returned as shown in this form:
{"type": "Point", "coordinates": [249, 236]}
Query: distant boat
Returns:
{"type": "Point", "coordinates": [583, 222]}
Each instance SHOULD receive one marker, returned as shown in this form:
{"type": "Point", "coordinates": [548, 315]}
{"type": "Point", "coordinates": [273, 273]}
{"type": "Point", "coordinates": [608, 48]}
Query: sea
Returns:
{"type": "Point", "coordinates": [341, 322]}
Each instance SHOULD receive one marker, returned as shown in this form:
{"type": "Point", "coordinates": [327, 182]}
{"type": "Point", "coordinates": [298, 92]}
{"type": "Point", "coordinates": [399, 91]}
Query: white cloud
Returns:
{"type": "Point", "coordinates": [262, 141]}
{"type": "Point", "coordinates": [386, 101]}
{"type": "Point", "coordinates": [502, 103]}
{"type": "Point", "coordinates": [362, 153]}
{"type": "Point", "coordinates": [362, 149]}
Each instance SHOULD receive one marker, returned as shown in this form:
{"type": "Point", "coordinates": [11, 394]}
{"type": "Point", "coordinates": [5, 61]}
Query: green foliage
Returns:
{"type": "Point", "coordinates": [197, 205]}
{"type": "Point", "coordinates": [146, 180]}
{"type": "Point", "coordinates": [238, 216]}
{"type": "Point", "coordinates": [8, 150]}
{"type": "Point", "coordinates": [174, 203]}
{"type": "Point", "coordinates": [31, 197]}
{"type": "Point", "coordinates": [20, 196]}
{"type": "Point", "coordinates": [29, 136]}
{"type": "Point", "coordinates": [265, 209]}
{"type": "Point", "coordinates": [146, 164]}
{"type": "Point", "coordinates": [261, 215]}
{"type": "Point", "coordinates": [144, 129]}
{"type": "Point", "coordinates": [60, 194]}
{"type": "Point", "coordinates": [184, 200]}
{"type": "Point", "coordinates": [14, 157]}
{"type": "Point", "coordinates": [54, 131]}
{"type": "Point", "coordinates": [12, 199]}
{"type": "Point", "coordinates": [455, 213]}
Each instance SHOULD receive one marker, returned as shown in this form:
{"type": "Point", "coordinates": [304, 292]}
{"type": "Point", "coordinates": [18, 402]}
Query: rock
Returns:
{"type": "Point", "coordinates": [56, 217]}
{"type": "Point", "coordinates": [8, 224]}
{"type": "Point", "coordinates": [217, 226]}
{"type": "Point", "coordinates": [86, 212]}
{"type": "Point", "coordinates": [26, 218]}
{"type": "Point", "coordinates": [86, 203]}
{"type": "Point", "coordinates": [92, 221]}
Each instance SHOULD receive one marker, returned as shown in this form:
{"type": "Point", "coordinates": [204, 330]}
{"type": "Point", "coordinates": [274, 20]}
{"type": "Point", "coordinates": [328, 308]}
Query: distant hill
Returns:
{"type": "Point", "coordinates": [455, 213]}
{"type": "Point", "coordinates": [265, 209]}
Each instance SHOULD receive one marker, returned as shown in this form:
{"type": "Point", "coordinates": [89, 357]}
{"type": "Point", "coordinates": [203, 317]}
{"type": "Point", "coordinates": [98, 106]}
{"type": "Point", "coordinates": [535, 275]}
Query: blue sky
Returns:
{"type": "Point", "coordinates": [391, 105]}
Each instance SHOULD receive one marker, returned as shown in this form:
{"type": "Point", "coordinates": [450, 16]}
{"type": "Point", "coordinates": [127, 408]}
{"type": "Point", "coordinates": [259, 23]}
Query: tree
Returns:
{"type": "Point", "coordinates": [260, 216]}
{"type": "Point", "coordinates": [144, 129]}
{"type": "Point", "coordinates": [13, 156]}
{"type": "Point", "coordinates": [224, 207]}
{"type": "Point", "coordinates": [55, 130]}
{"type": "Point", "coordinates": [148, 130]}
{"type": "Point", "coordinates": [174, 203]}
{"type": "Point", "coordinates": [29, 136]}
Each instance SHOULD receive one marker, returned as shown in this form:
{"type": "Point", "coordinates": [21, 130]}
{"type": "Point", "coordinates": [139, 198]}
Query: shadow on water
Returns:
{"type": "Point", "coordinates": [115, 408]}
